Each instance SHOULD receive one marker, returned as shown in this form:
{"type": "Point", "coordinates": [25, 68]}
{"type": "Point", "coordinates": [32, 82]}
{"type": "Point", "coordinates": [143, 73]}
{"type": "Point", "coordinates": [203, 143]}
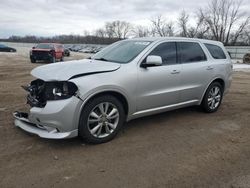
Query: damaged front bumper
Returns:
{"type": "Point", "coordinates": [22, 121]}
{"type": "Point", "coordinates": [57, 120]}
{"type": "Point", "coordinates": [54, 112]}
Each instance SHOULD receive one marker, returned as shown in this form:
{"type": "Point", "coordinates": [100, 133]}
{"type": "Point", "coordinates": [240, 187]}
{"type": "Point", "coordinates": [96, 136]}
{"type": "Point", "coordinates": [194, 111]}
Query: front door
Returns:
{"type": "Point", "coordinates": [158, 86]}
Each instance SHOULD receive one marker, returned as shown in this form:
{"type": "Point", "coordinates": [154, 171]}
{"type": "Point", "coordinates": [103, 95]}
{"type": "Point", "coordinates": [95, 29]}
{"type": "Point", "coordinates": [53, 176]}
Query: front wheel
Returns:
{"type": "Point", "coordinates": [32, 60]}
{"type": "Point", "coordinates": [213, 97]}
{"type": "Point", "coordinates": [101, 119]}
{"type": "Point", "coordinates": [53, 60]}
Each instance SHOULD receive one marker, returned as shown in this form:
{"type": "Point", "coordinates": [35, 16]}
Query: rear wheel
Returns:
{"type": "Point", "coordinates": [213, 97]}
{"type": "Point", "coordinates": [101, 119]}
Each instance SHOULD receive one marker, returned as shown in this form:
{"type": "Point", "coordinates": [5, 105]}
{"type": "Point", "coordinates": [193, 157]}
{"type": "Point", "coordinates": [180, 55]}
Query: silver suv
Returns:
{"type": "Point", "coordinates": [132, 78]}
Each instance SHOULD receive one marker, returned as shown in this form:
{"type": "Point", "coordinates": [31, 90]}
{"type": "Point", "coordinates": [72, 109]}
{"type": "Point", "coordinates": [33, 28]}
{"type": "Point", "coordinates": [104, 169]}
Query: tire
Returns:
{"type": "Point", "coordinates": [53, 60]}
{"type": "Point", "coordinates": [103, 127]}
{"type": "Point", "coordinates": [32, 60]}
{"type": "Point", "coordinates": [212, 98]}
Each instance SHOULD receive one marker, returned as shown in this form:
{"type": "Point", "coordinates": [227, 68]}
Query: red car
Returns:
{"type": "Point", "coordinates": [50, 52]}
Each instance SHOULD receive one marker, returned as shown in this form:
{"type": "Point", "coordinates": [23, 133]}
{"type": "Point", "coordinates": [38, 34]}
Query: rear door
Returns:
{"type": "Point", "coordinates": [158, 86]}
{"type": "Point", "coordinates": [197, 71]}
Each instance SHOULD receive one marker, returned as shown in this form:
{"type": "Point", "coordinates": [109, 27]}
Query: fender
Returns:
{"type": "Point", "coordinates": [86, 99]}
{"type": "Point", "coordinates": [208, 86]}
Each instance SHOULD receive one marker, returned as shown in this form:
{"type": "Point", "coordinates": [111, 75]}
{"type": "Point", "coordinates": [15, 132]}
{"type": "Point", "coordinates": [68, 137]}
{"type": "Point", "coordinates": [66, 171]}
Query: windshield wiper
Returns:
{"type": "Point", "coordinates": [101, 59]}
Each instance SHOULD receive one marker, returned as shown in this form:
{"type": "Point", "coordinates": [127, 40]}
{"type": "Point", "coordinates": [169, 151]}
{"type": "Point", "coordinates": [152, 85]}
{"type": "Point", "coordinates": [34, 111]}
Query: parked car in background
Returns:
{"type": "Point", "coordinates": [246, 58]}
{"type": "Point", "coordinates": [91, 49]}
{"type": "Point", "coordinates": [97, 49]}
{"type": "Point", "coordinates": [4, 48]}
{"type": "Point", "coordinates": [66, 52]}
{"type": "Point", "coordinates": [50, 52]}
{"type": "Point", "coordinates": [75, 48]}
{"type": "Point", "coordinates": [87, 49]}
{"type": "Point", "coordinates": [126, 80]}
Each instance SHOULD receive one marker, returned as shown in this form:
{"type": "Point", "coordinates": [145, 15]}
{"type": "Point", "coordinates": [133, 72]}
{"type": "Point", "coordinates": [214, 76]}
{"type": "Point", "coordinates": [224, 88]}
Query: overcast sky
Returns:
{"type": "Point", "coordinates": [53, 17]}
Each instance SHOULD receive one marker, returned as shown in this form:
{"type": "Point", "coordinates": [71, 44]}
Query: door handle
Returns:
{"type": "Point", "coordinates": [175, 72]}
{"type": "Point", "coordinates": [210, 68]}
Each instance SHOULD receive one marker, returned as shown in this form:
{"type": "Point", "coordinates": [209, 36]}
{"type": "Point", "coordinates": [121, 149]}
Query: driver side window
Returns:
{"type": "Point", "coordinates": [167, 51]}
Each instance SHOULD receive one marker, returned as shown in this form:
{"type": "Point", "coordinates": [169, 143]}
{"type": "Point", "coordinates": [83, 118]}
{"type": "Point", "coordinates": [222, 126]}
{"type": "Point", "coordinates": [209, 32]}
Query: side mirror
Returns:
{"type": "Point", "coordinates": [153, 60]}
{"type": "Point", "coordinates": [33, 47]}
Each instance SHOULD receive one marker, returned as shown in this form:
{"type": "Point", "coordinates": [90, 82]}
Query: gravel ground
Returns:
{"type": "Point", "coordinates": [182, 148]}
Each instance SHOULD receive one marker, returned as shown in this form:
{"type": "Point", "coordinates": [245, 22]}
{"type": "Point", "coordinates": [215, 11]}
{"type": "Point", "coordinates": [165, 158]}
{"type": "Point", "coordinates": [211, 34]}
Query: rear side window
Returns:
{"type": "Point", "coordinates": [216, 51]}
{"type": "Point", "coordinates": [167, 51]}
{"type": "Point", "coordinates": [190, 52]}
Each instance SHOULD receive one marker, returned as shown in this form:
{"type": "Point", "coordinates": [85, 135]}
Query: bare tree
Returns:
{"type": "Point", "coordinates": [86, 33]}
{"type": "Point", "coordinates": [100, 33]}
{"type": "Point", "coordinates": [224, 19]}
{"type": "Point", "coordinates": [161, 27]}
{"type": "Point", "coordinates": [201, 30]}
{"type": "Point", "coordinates": [198, 30]}
{"type": "Point", "coordinates": [246, 36]}
{"type": "Point", "coordinates": [118, 29]}
{"type": "Point", "coordinates": [182, 22]}
{"type": "Point", "coordinates": [141, 31]}
{"type": "Point", "coordinates": [109, 30]}
{"type": "Point", "coordinates": [240, 31]}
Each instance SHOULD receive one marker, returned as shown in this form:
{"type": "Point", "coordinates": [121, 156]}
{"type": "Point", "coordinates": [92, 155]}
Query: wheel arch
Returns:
{"type": "Point", "coordinates": [121, 97]}
{"type": "Point", "coordinates": [219, 80]}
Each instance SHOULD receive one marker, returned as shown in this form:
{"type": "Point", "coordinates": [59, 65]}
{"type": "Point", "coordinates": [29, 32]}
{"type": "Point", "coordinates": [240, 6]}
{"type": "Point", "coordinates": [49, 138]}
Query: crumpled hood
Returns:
{"type": "Point", "coordinates": [71, 69]}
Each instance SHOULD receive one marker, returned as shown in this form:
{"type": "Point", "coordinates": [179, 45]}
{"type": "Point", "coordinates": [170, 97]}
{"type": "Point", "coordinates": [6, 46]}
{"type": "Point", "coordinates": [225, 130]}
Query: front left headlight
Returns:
{"type": "Point", "coordinates": [60, 90]}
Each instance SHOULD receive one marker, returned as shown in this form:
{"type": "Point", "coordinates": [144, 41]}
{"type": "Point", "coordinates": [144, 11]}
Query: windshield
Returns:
{"type": "Point", "coordinates": [44, 46]}
{"type": "Point", "coordinates": [121, 52]}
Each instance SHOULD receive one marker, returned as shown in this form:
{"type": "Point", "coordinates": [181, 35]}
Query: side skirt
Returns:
{"type": "Point", "coordinates": [162, 109]}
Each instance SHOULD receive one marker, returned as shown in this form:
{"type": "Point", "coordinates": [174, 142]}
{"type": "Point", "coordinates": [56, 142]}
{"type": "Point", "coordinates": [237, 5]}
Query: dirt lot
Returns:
{"type": "Point", "coordinates": [183, 148]}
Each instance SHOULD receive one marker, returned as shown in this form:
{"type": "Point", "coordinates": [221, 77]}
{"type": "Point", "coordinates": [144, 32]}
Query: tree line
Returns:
{"type": "Point", "coordinates": [220, 20]}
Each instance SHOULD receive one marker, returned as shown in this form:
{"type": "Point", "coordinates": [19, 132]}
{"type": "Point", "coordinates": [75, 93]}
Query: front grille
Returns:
{"type": "Point", "coordinates": [41, 54]}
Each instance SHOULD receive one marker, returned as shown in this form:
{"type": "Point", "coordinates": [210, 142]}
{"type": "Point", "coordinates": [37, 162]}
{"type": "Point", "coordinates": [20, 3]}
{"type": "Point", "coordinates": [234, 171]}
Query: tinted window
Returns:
{"type": "Point", "coordinates": [190, 52]}
{"type": "Point", "coordinates": [167, 51]}
{"type": "Point", "coordinates": [216, 51]}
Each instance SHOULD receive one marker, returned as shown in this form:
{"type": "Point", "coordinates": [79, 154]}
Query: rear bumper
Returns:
{"type": "Point", "coordinates": [23, 122]}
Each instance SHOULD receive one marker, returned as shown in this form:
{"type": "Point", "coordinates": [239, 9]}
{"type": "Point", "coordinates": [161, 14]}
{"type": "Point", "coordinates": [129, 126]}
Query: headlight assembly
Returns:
{"type": "Point", "coordinates": [60, 90]}
{"type": "Point", "coordinates": [39, 92]}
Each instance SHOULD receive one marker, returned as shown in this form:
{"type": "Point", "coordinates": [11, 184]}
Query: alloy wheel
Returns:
{"type": "Point", "coordinates": [103, 119]}
{"type": "Point", "coordinates": [214, 97]}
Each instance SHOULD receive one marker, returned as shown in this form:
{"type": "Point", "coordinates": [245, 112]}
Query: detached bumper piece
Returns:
{"type": "Point", "coordinates": [22, 121]}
